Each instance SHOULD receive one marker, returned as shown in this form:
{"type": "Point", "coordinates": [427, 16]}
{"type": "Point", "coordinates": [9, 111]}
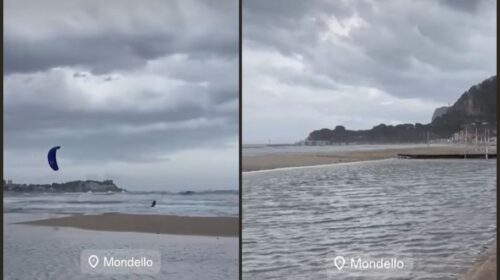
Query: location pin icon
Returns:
{"type": "Point", "coordinates": [93, 261]}
{"type": "Point", "coordinates": [339, 262]}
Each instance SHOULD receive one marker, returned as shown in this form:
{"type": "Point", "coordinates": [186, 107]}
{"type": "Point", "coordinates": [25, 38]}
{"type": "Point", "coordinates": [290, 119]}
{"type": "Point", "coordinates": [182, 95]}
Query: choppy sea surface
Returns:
{"type": "Point", "coordinates": [205, 203]}
{"type": "Point", "coordinates": [437, 216]}
{"type": "Point", "coordinates": [48, 253]}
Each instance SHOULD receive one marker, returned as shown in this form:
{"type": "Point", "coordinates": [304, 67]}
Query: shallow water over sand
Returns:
{"type": "Point", "coordinates": [52, 253]}
{"type": "Point", "coordinates": [437, 215]}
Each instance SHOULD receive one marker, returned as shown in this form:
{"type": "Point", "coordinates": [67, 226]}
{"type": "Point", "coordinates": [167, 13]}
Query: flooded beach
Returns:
{"type": "Point", "coordinates": [438, 215]}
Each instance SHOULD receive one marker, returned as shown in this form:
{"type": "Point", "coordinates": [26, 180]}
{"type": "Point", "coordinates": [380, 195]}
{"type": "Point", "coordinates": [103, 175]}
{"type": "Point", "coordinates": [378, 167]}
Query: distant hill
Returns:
{"type": "Point", "coordinates": [74, 186]}
{"type": "Point", "coordinates": [478, 105]}
{"type": "Point", "coordinates": [439, 112]}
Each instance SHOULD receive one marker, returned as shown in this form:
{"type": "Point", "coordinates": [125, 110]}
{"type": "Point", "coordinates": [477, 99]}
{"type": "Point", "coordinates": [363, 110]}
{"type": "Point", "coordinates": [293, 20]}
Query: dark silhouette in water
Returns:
{"type": "Point", "coordinates": [186, 192]}
{"type": "Point", "coordinates": [153, 204]}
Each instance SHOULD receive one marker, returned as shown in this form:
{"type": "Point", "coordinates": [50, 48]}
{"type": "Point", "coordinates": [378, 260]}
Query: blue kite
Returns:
{"type": "Point", "coordinates": [52, 158]}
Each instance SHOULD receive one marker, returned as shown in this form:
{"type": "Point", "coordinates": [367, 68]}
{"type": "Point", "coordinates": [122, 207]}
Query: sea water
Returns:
{"type": "Point", "coordinates": [205, 203]}
{"type": "Point", "coordinates": [51, 253]}
{"type": "Point", "coordinates": [438, 215]}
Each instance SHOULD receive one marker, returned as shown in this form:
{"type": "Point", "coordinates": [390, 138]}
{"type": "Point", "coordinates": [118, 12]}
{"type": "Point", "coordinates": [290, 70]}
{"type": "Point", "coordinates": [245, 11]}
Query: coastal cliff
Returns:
{"type": "Point", "coordinates": [439, 112]}
{"type": "Point", "coordinates": [476, 106]}
{"type": "Point", "coordinates": [73, 186]}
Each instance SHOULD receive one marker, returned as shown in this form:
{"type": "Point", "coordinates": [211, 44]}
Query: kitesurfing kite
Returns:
{"type": "Point", "coordinates": [52, 158]}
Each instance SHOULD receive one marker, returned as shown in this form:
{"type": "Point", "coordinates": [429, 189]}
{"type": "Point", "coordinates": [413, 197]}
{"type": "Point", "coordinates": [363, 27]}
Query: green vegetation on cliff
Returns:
{"type": "Point", "coordinates": [477, 106]}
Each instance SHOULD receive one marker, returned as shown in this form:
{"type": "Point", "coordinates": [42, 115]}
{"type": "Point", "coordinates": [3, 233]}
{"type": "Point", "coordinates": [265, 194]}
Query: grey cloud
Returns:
{"type": "Point", "coordinates": [394, 39]}
{"type": "Point", "coordinates": [415, 52]}
{"type": "Point", "coordinates": [119, 42]}
{"type": "Point", "coordinates": [121, 85]}
{"type": "Point", "coordinates": [463, 5]}
{"type": "Point", "coordinates": [49, 116]}
{"type": "Point", "coordinates": [108, 145]}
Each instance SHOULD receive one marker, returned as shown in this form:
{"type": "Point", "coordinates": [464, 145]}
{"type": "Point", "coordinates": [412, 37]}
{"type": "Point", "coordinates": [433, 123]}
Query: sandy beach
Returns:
{"type": "Point", "coordinates": [273, 161]}
{"type": "Point", "coordinates": [485, 267]}
{"type": "Point", "coordinates": [164, 224]}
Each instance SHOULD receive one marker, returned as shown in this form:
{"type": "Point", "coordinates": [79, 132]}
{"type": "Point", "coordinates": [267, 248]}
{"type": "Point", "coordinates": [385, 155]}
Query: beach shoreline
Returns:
{"type": "Point", "coordinates": [44, 252]}
{"type": "Point", "coordinates": [275, 161]}
{"type": "Point", "coordinates": [485, 268]}
{"type": "Point", "coordinates": [159, 224]}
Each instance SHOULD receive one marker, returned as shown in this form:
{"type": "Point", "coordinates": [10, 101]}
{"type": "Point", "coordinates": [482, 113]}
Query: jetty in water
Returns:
{"type": "Point", "coordinates": [448, 156]}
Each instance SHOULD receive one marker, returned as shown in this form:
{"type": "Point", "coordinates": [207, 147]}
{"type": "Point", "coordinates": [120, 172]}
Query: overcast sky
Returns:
{"type": "Point", "coordinates": [142, 92]}
{"type": "Point", "coordinates": [317, 64]}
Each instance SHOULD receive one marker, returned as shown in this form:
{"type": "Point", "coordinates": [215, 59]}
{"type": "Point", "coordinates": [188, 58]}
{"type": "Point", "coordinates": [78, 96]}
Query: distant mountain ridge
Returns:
{"type": "Point", "coordinates": [73, 186]}
{"type": "Point", "coordinates": [476, 106]}
{"type": "Point", "coordinates": [479, 101]}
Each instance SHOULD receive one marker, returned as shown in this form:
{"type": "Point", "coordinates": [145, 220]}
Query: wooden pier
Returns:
{"type": "Point", "coordinates": [447, 156]}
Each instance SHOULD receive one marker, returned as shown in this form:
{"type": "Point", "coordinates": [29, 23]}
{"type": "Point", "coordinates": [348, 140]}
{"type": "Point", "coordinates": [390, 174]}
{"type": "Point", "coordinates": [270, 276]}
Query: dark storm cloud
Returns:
{"type": "Point", "coordinates": [116, 35]}
{"type": "Point", "coordinates": [398, 52]}
{"type": "Point", "coordinates": [395, 42]}
{"type": "Point", "coordinates": [128, 82]}
{"type": "Point", "coordinates": [128, 125]}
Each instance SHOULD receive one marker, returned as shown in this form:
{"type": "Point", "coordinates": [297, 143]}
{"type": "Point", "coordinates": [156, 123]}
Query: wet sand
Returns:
{"type": "Point", "coordinates": [273, 161]}
{"type": "Point", "coordinates": [164, 224]}
{"type": "Point", "coordinates": [486, 267]}
{"type": "Point", "coordinates": [48, 253]}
